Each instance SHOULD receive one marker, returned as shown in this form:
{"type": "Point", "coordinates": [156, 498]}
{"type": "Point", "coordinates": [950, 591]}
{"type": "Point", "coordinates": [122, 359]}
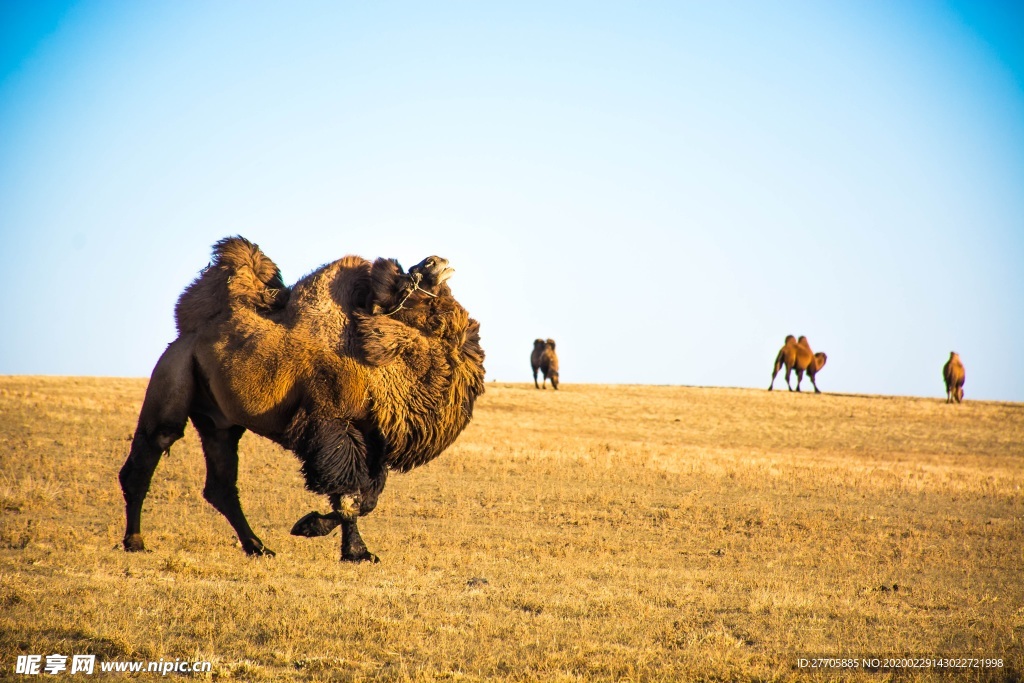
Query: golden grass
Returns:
{"type": "Point", "coordinates": [596, 533]}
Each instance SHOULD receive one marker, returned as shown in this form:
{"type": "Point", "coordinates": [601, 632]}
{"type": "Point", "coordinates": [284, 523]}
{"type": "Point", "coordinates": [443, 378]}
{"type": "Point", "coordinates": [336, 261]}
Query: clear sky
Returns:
{"type": "Point", "coordinates": [666, 189]}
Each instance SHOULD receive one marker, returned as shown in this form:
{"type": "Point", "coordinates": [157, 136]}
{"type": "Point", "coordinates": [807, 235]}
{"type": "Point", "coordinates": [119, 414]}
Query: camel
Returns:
{"type": "Point", "coordinates": [796, 354]}
{"type": "Point", "coordinates": [545, 359]}
{"type": "Point", "coordinates": [538, 351]}
{"type": "Point", "coordinates": [954, 375]}
{"type": "Point", "coordinates": [359, 369]}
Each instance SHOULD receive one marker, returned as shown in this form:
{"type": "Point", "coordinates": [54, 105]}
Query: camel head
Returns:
{"type": "Point", "coordinates": [431, 273]}
{"type": "Point", "coordinates": [394, 289]}
{"type": "Point", "coordinates": [819, 360]}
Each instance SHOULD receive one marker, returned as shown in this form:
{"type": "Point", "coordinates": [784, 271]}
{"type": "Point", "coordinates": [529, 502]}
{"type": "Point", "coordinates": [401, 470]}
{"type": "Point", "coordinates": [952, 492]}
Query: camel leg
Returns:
{"type": "Point", "coordinates": [315, 524]}
{"type": "Point", "coordinates": [371, 493]}
{"type": "Point", "coordinates": [346, 509]}
{"type": "Point", "coordinates": [334, 455]}
{"type": "Point", "coordinates": [815, 384]}
{"type": "Point", "coordinates": [788, 385]}
{"type": "Point", "coordinates": [535, 378]}
{"type": "Point", "coordinates": [775, 371]}
{"type": "Point", "coordinates": [161, 423]}
{"type": "Point", "coordinates": [799, 378]}
{"type": "Point", "coordinates": [136, 475]}
{"type": "Point", "coordinates": [352, 547]}
{"type": "Point", "coordinates": [220, 447]}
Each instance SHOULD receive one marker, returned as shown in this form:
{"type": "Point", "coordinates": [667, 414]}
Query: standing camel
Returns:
{"type": "Point", "coordinates": [545, 359]}
{"type": "Point", "coordinates": [954, 375]}
{"type": "Point", "coordinates": [796, 354]}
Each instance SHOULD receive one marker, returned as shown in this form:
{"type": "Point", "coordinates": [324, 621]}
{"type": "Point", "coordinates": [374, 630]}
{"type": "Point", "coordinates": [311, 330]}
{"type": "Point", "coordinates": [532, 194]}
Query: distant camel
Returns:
{"type": "Point", "coordinates": [954, 375]}
{"type": "Point", "coordinates": [796, 354]}
{"type": "Point", "coordinates": [545, 359]}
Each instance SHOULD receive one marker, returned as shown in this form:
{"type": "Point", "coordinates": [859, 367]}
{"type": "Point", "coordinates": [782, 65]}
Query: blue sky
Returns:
{"type": "Point", "coordinates": [667, 189]}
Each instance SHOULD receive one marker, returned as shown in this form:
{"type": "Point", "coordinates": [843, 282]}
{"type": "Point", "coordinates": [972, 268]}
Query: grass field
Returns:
{"type": "Point", "coordinates": [596, 533]}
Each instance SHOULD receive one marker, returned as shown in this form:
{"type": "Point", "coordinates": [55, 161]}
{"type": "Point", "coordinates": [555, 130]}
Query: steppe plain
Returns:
{"type": "Point", "coordinates": [594, 533]}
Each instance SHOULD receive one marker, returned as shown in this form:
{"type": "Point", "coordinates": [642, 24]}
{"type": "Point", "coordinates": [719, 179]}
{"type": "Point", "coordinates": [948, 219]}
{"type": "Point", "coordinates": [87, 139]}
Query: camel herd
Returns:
{"type": "Point", "coordinates": [360, 368]}
{"type": "Point", "coordinates": [795, 354]}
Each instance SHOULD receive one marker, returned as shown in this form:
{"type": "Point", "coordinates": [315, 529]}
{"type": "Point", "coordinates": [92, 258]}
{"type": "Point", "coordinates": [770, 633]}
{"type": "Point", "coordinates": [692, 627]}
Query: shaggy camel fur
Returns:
{"type": "Point", "coordinates": [796, 354]}
{"type": "Point", "coordinates": [359, 368]}
{"type": "Point", "coordinates": [544, 358]}
{"type": "Point", "coordinates": [954, 375]}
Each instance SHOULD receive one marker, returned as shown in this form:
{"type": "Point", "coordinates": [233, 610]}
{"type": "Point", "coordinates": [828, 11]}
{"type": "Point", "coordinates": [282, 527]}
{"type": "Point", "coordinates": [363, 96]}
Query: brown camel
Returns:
{"type": "Point", "coordinates": [954, 375]}
{"type": "Point", "coordinates": [796, 354]}
{"type": "Point", "coordinates": [359, 368]}
{"type": "Point", "coordinates": [545, 359]}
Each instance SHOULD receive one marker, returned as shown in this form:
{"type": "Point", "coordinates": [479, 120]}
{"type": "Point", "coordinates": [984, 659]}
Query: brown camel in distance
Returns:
{"type": "Point", "coordinates": [544, 359]}
{"type": "Point", "coordinates": [796, 354]}
{"type": "Point", "coordinates": [954, 375]}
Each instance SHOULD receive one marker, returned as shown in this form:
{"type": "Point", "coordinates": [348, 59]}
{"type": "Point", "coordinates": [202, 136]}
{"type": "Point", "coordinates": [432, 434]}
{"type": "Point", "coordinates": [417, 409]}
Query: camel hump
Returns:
{"type": "Point", "coordinates": [953, 370]}
{"type": "Point", "coordinates": [240, 256]}
{"type": "Point", "coordinates": [239, 274]}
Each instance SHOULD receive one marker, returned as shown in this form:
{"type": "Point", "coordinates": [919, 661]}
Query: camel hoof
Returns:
{"type": "Point", "coordinates": [259, 550]}
{"type": "Point", "coordinates": [134, 544]}
{"type": "Point", "coordinates": [314, 524]}
{"type": "Point", "coordinates": [365, 556]}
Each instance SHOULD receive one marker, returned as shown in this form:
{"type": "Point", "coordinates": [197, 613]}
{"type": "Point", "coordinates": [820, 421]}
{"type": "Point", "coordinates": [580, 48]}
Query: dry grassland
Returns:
{"type": "Point", "coordinates": [596, 533]}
